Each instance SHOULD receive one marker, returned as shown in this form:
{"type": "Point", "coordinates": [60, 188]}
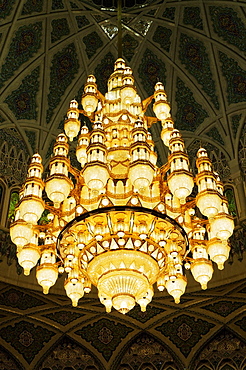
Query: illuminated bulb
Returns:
{"type": "Point", "coordinates": [176, 287]}
{"type": "Point", "coordinates": [46, 276]}
{"type": "Point", "coordinates": [105, 202]}
{"type": "Point", "coordinates": [121, 242]}
{"type": "Point", "coordinates": [79, 209]}
{"type": "Point", "coordinates": [222, 226]}
{"type": "Point", "coordinates": [202, 270]}
{"type": "Point", "coordinates": [123, 303]}
{"type": "Point", "coordinates": [28, 257]}
{"type": "Point", "coordinates": [50, 216]}
{"type": "Point", "coordinates": [20, 233]}
{"type": "Point", "coordinates": [218, 252]}
{"type": "Point", "coordinates": [87, 286]}
{"type": "Point", "coordinates": [74, 290]}
{"type": "Point", "coordinates": [161, 283]}
{"type": "Point", "coordinates": [187, 265]}
{"type": "Point", "coordinates": [120, 234]}
{"type": "Point", "coordinates": [60, 269]}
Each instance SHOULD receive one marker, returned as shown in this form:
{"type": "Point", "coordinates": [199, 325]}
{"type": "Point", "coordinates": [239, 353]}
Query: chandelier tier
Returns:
{"type": "Point", "coordinates": [120, 222]}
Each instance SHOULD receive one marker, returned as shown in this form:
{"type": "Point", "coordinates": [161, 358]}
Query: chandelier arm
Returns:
{"type": "Point", "coordinates": [94, 212]}
{"type": "Point", "coordinates": [151, 120]}
{"type": "Point", "coordinates": [146, 102]}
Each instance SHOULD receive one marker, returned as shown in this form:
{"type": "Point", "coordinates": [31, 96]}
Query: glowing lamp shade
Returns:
{"type": "Point", "coordinates": [128, 94]}
{"type": "Point", "coordinates": [89, 103]}
{"type": "Point", "coordinates": [202, 271]}
{"type": "Point", "coordinates": [176, 287]}
{"type": "Point", "coordinates": [46, 276]}
{"type": "Point", "coordinates": [141, 175]}
{"type": "Point", "coordinates": [74, 291]}
{"type": "Point", "coordinates": [218, 251]}
{"type": "Point", "coordinates": [81, 154]}
{"type": "Point", "coordinates": [161, 109]}
{"type": "Point", "coordinates": [166, 135]}
{"type": "Point", "coordinates": [31, 209]}
{"type": "Point", "coordinates": [145, 300]}
{"type": "Point", "coordinates": [20, 233]}
{"type": "Point", "coordinates": [28, 257]}
{"type": "Point", "coordinates": [71, 127]}
{"type": "Point", "coordinates": [209, 203]}
{"type": "Point", "coordinates": [95, 176]}
{"type": "Point", "coordinates": [58, 188]}
{"type": "Point", "coordinates": [122, 282]}
{"type": "Point", "coordinates": [222, 226]}
{"type": "Point", "coordinates": [181, 185]}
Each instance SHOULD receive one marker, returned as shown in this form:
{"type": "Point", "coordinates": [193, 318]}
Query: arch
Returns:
{"type": "Point", "coordinates": [219, 351]}
{"type": "Point", "coordinates": [8, 361]}
{"type": "Point", "coordinates": [144, 352]}
{"type": "Point", "coordinates": [13, 200]}
{"type": "Point", "coordinates": [67, 354]}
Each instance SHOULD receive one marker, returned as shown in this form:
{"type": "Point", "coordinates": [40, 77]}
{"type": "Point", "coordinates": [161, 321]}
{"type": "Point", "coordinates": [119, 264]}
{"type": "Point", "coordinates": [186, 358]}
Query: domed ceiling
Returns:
{"type": "Point", "coordinates": [195, 47]}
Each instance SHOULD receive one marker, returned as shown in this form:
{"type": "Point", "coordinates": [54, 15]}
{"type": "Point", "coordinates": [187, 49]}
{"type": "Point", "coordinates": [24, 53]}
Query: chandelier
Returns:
{"type": "Point", "coordinates": [120, 222]}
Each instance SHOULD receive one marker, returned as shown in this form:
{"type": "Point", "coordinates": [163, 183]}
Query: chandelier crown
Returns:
{"type": "Point", "coordinates": [120, 222]}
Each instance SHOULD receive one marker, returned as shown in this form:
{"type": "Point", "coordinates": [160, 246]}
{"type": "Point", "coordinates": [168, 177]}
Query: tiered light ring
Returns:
{"type": "Point", "coordinates": [121, 223]}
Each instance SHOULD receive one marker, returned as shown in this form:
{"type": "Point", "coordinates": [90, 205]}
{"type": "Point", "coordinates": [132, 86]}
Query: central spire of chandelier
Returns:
{"type": "Point", "coordinates": [120, 222]}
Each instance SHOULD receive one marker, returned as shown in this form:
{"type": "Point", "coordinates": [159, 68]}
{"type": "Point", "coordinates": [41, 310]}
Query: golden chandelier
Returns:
{"type": "Point", "coordinates": [120, 222]}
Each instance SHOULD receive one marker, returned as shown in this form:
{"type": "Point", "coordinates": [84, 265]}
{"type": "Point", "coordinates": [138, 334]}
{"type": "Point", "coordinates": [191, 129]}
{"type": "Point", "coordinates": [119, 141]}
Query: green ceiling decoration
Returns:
{"type": "Point", "coordinates": [60, 28]}
{"type": "Point", "coordinates": [7, 247]}
{"type": "Point", "coordinates": [229, 26]}
{"type": "Point", "coordinates": [162, 36]}
{"type": "Point", "coordinates": [193, 55]}
{"type": "Point", "coordinates": [105, 335]}
{"type": "Point", "coordinates": [169, 13]}
{"type": "Point", "coordinates": [223, 308]}
{"type": "Point", "coordinates": [27, 339]}
{"type": "Point", "coordinates": [129, 46]}
{"type": "Point", "coordinates": [235, 77]}
{"type": "Point", "coordinates": [82, 21]}
{"type": "Point", "coordinates": [13, 138]}
{"type": "Point", "coordinates": [214, 134]}
{"type": "Point", "coordinates": [57, 4]}
{"type": "Point", "coordinates": [17, 299]}
{"type": "Point", "coordinates": [26, 43]}
{"type": "Point", "coordinates": [185, 331]}
{"type": "Point", "coordinates": [235, 122]}
{"type": "Point", "coordinates": [64, 67]}
{"type": "Point", "coordinates": [6, 7]}
{"type": "Point", "coordinates": [143, 317]}
{"type": "Point", "coordinates": [31, 135]}
{"type": "Point", "coordinates": [151, 70]}
{"type": "Point", "coordinates": [190, 114]}
{"type": "Point", "coordinates": [22, 102]}
{"type": "Point", "coordinates": [32, 6]}
{"type": "Point", "coordinates": [63, 317]}
{"type": "Point", "coordinates": [192, 17]}
{"type": "Point", "coordinates": [103, 71]}
{"type": "Point", "coordinates": [92, 43]}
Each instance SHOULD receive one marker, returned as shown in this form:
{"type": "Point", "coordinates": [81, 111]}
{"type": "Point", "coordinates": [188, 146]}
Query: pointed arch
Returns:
{"type": "Point", "coordinates": [146, 352]}
{"type": "Point", "coordinates": [8, 361]}
{"type": "Point", "coordinates": [67, 353]}
{"type": "Point", "coordinates": [220, 352]}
